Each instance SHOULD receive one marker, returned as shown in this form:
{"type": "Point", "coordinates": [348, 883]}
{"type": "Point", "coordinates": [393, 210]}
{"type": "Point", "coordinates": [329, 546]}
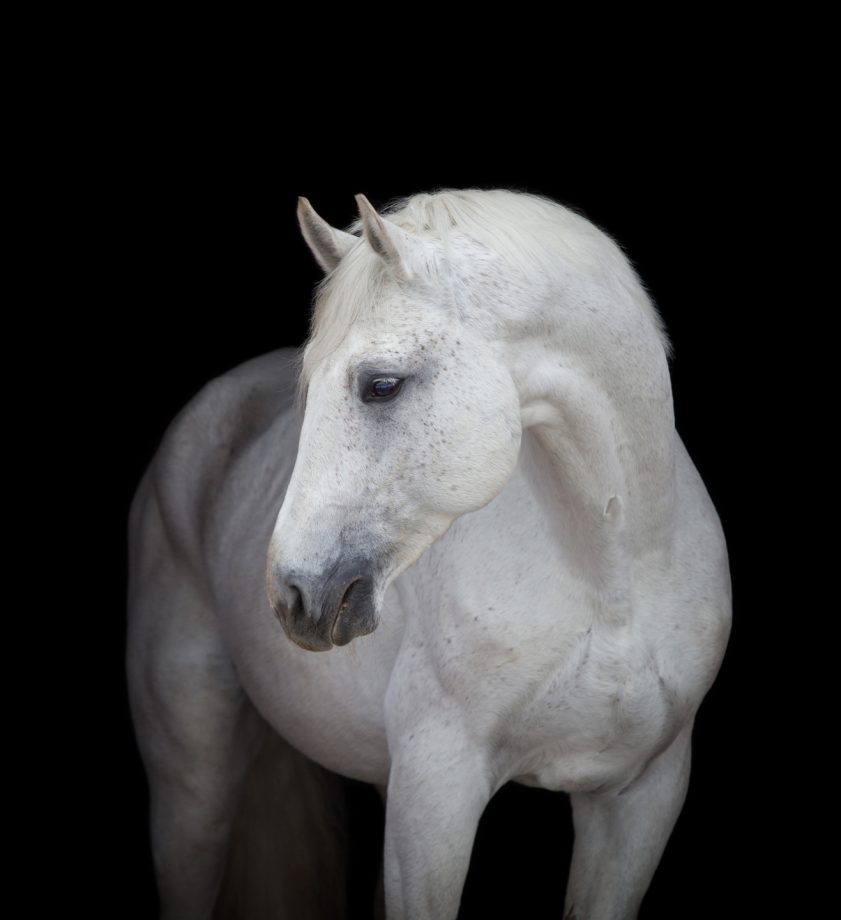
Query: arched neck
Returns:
{"type": "Point", "coordinates": [605, 461]}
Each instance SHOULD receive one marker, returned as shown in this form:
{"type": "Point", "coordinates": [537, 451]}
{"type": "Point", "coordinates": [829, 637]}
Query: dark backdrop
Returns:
{"type": "Point", "coordinates": [212, 271]}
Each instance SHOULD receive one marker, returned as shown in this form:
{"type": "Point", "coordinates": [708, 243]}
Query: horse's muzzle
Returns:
{"type": "Point", "coordinates": [320, 610]}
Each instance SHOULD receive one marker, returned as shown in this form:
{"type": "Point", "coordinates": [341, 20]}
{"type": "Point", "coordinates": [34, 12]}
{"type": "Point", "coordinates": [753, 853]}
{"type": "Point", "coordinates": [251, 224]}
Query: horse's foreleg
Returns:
{"type": "Point", "coordinates": [437, 791]}
{"type": "Point", "coordinates": [620, 837]}
{"type": "Point", "coordinates": [197, 734]}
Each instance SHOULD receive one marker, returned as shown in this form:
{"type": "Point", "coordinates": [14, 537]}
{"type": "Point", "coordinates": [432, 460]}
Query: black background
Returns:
{"type": "Point", "coordinates": [208, 269]}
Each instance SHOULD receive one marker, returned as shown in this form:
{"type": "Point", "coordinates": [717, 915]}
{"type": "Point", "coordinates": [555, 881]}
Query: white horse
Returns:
{"type": "Point", "coordinates": [477, 506]}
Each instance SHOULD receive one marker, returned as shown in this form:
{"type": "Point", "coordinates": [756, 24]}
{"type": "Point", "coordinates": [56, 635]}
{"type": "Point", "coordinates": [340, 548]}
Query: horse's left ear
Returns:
{"type": "Point", "coordinates": [390, 242]}
{"type": "Point", "coordinates": [328, 245]}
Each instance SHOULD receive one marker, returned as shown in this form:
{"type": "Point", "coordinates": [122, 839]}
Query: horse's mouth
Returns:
{"type": "Point", "coordinates": [355, 615]}
{"type": "Point", "coordinates": [320, 610]}
{"type": "Point", "coordinates": [336, 636]}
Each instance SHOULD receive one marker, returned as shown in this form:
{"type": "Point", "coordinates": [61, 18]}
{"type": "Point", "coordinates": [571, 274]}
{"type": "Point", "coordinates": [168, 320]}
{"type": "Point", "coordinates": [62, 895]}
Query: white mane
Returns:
{"type": "Point", "coordinates": [529, 231]}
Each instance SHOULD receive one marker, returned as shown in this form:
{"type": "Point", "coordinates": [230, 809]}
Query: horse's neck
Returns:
{"type": "Point", "coordinates": [603, 455]}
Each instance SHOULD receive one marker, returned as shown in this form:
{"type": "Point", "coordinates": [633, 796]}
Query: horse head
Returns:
{"type": "Point", "coordinates": [411, 419]}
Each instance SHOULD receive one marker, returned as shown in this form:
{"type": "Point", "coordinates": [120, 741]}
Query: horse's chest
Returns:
{"type": "Point", "coordinates": [589, 725]}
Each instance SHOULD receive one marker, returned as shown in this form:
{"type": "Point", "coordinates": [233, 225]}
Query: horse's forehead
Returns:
{"type": "Point", "coordinates": [411, 332]}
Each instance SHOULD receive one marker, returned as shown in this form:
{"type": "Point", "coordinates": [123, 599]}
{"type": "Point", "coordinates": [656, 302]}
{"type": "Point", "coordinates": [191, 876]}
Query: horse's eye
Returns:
{"type": "Point", "coordinates": [383, 388]}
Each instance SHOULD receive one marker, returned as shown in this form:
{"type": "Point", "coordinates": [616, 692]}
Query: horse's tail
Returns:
{"type": "Point", "coordinates": [287, 851]}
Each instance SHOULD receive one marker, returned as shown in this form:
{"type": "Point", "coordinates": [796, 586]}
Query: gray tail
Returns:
{"type": "Point", "coordinates": [288, 848]}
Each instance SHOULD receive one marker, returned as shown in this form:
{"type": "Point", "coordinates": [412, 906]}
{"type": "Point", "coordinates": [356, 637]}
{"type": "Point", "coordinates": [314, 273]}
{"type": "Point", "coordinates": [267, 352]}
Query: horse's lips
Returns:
{"type": "Point", "coordinates": [335, 638]}
{"type": "Point", "coordinates": [356, 614]}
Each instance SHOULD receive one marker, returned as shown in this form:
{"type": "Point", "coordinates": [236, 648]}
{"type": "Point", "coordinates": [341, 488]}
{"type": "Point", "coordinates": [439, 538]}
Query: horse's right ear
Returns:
{"type": "Point", "coordinates": [328, 244]}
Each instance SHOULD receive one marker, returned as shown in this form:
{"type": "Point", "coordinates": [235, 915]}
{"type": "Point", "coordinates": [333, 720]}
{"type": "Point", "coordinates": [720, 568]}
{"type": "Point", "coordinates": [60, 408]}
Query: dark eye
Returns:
{"type": "Point", "coordinates": [381, 389]}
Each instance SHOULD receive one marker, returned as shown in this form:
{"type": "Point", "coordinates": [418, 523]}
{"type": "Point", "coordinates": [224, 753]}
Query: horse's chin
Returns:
{"type": "Point", "coordinates": [346, 628]}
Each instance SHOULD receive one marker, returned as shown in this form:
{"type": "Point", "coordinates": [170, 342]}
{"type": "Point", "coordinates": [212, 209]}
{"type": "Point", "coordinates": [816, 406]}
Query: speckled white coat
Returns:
{"type": "Point", "coordinates": [551, 594]}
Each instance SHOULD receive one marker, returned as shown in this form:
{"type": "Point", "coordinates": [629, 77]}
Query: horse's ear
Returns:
{"type": "Point", "coordinates": [390, 242]}
{"type": "Point", "coordinates": [328, 244]}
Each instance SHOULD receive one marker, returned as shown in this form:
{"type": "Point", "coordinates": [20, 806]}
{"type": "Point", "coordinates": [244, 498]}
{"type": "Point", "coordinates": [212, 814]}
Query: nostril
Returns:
{"type": "Point", "coordinates": [295, 601]}
{"type": "Point", "coordinates": [287, 599]}
{"type": "Point", "coordinates": [346, 597]}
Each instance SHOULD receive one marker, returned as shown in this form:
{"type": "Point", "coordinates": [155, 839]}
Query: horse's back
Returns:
{"type": "Point", "coordinates": [200, 468]}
